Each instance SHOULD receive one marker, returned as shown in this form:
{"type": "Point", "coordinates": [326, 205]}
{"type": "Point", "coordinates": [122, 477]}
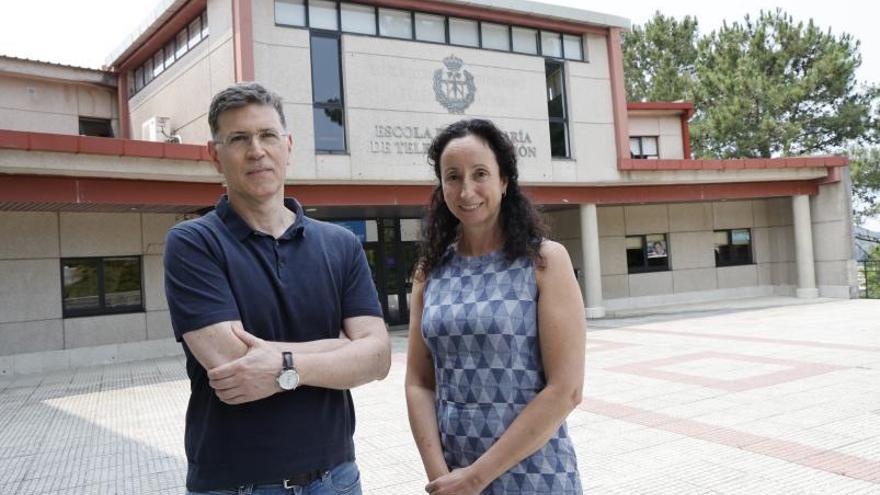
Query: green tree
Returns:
{"type": "Point", "coordinates": [658, 59]}
{"type": "Point", "coordinates": [772, 86]}
{"type": "Point", "coordinates": [875, 256]}
{"type": "Point", "coordinates": [870, 273]}
{"type": "Point", "coordinates": [864, 167]}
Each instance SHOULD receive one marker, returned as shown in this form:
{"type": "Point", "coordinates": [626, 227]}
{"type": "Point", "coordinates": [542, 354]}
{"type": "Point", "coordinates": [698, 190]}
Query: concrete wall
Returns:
{"type": "Point", "coordinates": [30, 279]}
{"type": "Point", "coordinates": [389, 83]}
{"type": "Point", "coordinates": [689, 227]}
{"type": "Point", "coordinates": [667, 128]}
{"type": "Point", "coordinates": [42, 105]}
{"type": "Point", "coordinates": [565, 228]}
{"type": "Point", "coordinates": [184, 91]}
{"type": "Point", "coordinates": [833, 239]}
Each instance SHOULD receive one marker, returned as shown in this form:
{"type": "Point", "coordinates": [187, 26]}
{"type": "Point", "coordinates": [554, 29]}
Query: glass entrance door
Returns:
{"type": "Point", "coordinates": [391, 253]}
{"type": "Point", "coordinates": [398, 258]}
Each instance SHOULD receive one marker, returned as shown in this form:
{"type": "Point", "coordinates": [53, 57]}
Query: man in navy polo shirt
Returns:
{"type": "Point", "coordinates": [278, 317]}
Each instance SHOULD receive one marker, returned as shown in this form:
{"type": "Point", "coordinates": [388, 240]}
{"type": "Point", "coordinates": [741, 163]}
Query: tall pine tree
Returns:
{"type": "Point", "coordinates": [864, 168]}
{"type": "Point", "coordinates": [775, 87]}
{"type": "Point", "coordinates": [658, 59]}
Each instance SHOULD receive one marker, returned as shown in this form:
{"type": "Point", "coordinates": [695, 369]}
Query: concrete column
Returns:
{"type": "Point", "coordinates": [591, 262]}
{"type": "Point", "coordinates": [803, 247]}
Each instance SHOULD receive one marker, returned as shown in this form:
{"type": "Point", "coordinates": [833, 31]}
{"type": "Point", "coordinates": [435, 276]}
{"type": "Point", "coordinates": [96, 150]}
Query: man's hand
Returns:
{"type": "Point", "coordinates": [250, 377]}
{"type": "Point", "coordinates": [458, 482]}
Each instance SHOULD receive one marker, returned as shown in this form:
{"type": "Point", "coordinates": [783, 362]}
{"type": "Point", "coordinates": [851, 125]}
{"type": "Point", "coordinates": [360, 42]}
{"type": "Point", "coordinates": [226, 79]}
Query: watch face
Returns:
{"type": "Point", "coordinates": [288, 379]}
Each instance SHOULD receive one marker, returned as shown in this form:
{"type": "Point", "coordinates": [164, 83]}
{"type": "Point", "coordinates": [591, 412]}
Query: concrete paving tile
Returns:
{"type": "Point", "coordinates": [118, 428]}
{"type": "Point", "coordinates": [868, 448]}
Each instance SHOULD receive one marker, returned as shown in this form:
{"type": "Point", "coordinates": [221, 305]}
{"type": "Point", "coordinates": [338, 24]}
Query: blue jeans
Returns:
{"type": "Point", "coordinates": [344, 479]}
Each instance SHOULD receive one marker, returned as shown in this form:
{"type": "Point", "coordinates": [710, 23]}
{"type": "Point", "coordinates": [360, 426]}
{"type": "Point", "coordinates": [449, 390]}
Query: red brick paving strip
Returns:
{"type": "Point", "coordinates": [822, 459]}
{"type": "Point", "coordinates": [806, 343]}
{"type": "Point", "coordinates": [796, 371]}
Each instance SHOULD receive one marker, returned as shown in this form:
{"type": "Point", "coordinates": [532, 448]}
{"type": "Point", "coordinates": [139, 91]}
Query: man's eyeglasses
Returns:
{"type": "Point", "coordinates": [242, 140]}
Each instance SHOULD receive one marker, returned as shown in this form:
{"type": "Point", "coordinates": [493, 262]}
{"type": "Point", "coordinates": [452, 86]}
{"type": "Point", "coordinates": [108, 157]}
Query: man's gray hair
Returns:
{"type": "Point", "coordinates": [240, 95]}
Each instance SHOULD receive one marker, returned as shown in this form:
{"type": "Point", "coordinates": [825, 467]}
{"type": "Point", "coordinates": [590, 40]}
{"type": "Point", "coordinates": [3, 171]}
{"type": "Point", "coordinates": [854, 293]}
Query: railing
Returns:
{"type": "Point", "coordinates": [869, 279]}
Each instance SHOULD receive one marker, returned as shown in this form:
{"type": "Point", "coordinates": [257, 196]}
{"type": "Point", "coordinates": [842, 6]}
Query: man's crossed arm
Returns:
{"type": "Point", "coordinates": [242, 368]}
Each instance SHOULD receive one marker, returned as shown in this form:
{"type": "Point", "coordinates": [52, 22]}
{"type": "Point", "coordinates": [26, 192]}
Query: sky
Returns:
{"type": "Point", "coordinates": [85, 32]}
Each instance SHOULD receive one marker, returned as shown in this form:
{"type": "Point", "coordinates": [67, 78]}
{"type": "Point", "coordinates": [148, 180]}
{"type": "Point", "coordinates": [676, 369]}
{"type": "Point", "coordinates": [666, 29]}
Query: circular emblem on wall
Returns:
{"type": "Point", "coordinates": [456, 90]}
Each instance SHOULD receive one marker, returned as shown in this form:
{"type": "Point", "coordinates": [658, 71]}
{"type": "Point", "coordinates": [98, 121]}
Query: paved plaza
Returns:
{"type": "Point", "coordinates": [734, 400]}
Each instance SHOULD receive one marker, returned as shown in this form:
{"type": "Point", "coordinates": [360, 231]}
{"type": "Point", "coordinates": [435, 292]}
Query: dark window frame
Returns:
{"type": "Point", "coordinates": [170, 46]}
{"type": "Point", "coordinates": [645, 267]}
{"type": "Point", "coordinates": [337, 35]}
{"type": "Point", "coordinates": [376, 9]}
{"type": "Point", "coordinates": [95, 121]}
{"type": "Point", "coordinates": [204, 31]}
{"type": "Point", "coordinates": [479, 44]}
{"type": "Point", "coordinates": [583, 56]}
{"type": "Point", "coordinates": [509, 37]}
{"type": "Point", "coordinates": [197, 32]}
{"type": "Point", "coordinates": [415, 33]}
{"type": "Point", "coordinates": [560, 64]}
{"type": "Point", "coordinates": [558, 38]}
{"type": "Point", "coordinates": [413, 12]}
{"type": "Point", "coordinates": [102, 308]}
{"type": "Point", "coordinates": [281, 24]}
{"type": "Point", "coordinates": [732, 260]}
{"type": "Point", "coordinates": [308, 20]}
{"type": "Point", "coordinates": [375, 19]}
{"type": "Point", "coordinates": [537, 35]}
{"type": "Point", "coordinates": [642, 155]}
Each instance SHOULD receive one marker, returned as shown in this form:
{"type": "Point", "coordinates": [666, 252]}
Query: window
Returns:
{"type": "Point", "coordinates": [733, 247]}
{"type": "Point", "coordinates": [643, 147]}
{"type": "Point", "coordinates": [204, 18]}
{"type": "Point", "coordinates": [647, 253]}
{"type": "Point", "coordinates": [182, 38]}
{"type": "Point", "coordinates": [525, 40]}
{"type": "Point", "coordinates": [556, 109]}
{"type": "Point", "coordinates": [572, 47]}
{"type": "Point", "coordinates": [551, 44]}
{"type": "Point", "coordinates": [169, 53]}
{"type": "Point", "coordinates": [139, 79]}
{"type": "Point", "coordinates": [495, 36]}
{"type": "Point", "coordinates": [93, 286]}
{"type": "Point", "coordinates": [322, 14]}
{"type": "Point", "coordinates": [90, 126]}
{"type": "Point", "coordinates": [463, 32]}
{"type": "Point", "coordinates": [395, 23]}
{"type": "Point", "coordinates": [158, 63]}
{"type": "Point", "coordinates": [195, 32]}
{"type": "Point", "coordinates": [329, 114]}
{"type": "Point", "coordinates": [358, 18]}
{"type": "Point", "coordinates": [148, 71]}
{"type": "Point", "coordinates": [164, 57]}
{"type": "Point", "coordinates": [290, 12]}
{"type": "Point", "coordinates": [431, 28]}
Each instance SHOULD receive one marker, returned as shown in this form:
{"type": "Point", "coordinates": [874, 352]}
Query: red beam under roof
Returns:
{"type": "Point", "coordinates": [31, 189]}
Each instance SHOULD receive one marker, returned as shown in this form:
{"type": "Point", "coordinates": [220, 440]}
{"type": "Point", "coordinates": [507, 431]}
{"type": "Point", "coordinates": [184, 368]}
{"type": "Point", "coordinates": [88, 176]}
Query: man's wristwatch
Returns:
{"type": "Point", "coordinates": [288, 379]}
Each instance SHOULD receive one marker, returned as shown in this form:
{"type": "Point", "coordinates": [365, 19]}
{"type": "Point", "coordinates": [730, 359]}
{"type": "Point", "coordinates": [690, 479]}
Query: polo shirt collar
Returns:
{"type": "Point", "coordinates": [241, 230]}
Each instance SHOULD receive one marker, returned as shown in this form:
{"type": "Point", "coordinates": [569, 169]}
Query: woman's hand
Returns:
{"type": "Point", "coordinates": [462, 481]}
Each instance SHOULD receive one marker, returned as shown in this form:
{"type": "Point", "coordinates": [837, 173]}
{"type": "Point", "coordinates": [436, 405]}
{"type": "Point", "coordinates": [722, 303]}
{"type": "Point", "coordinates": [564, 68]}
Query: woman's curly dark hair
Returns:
{"type": "Point", "coordinates": [521, 224]}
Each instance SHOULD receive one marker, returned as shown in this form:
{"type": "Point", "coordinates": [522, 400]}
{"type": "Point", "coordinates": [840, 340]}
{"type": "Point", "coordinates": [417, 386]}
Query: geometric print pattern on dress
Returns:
{"type": "Point", "coordinates": [480, 323]}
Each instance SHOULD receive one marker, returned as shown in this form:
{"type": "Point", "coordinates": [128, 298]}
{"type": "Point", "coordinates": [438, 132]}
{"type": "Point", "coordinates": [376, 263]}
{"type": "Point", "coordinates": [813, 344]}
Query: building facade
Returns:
{"type": "Point", "coordinates": [366, 86]}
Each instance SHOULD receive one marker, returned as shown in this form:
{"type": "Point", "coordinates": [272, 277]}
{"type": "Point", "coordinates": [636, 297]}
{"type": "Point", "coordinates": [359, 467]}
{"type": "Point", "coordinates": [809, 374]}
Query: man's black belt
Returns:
{"type": "Point", "coordinates": [303, 479]}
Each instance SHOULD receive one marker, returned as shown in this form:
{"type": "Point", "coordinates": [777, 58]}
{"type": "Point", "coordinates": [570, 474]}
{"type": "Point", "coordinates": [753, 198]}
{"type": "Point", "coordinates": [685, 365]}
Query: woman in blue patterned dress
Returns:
{"type": "Point", "coordinates": [497, 334]}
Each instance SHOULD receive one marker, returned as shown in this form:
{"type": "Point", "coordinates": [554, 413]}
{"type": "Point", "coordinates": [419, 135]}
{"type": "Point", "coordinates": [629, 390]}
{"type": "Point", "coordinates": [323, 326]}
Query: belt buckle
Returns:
{"type": "Point", "coordinates": [302, 479]}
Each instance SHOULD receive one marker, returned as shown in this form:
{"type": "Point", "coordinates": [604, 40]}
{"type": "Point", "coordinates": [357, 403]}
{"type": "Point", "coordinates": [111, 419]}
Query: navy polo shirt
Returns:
{"type": "Point", "coordinates": [297, 288]}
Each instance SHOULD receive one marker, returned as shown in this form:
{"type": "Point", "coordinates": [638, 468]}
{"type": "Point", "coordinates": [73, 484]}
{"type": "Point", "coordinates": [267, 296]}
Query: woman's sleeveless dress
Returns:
{"type": "Point", "coordinates": [480, 324]}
